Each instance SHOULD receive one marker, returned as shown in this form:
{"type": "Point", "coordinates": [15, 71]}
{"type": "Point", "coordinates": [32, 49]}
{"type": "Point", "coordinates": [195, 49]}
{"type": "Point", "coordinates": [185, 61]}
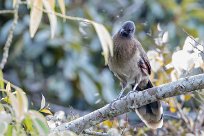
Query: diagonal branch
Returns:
{"type": "Point", "coordinates": [182, 86]}
{"type": "Point", "coordinates": [194, 41]}
{"type": "Point", "coordinates": [9, 38]}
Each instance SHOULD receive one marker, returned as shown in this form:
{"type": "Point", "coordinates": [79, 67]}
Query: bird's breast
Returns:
{"type": "Point", "coordinates": [128, 69]}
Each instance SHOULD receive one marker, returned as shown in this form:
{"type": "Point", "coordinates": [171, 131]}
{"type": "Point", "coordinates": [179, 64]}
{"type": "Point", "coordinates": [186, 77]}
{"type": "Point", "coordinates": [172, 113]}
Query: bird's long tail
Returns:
{"type": "Point", "coordinates": [151, 114]}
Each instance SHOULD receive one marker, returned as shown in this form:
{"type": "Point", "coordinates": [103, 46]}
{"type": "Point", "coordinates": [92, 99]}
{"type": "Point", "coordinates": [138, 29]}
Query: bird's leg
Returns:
{"type": "Point", "coordinates": [124, 86]}
{"type": "Point", "coordinates": [134, 88]}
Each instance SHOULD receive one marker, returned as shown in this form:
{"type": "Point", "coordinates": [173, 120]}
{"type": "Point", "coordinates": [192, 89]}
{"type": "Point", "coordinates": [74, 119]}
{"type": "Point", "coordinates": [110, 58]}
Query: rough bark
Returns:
{"type": "Point", "coordinates": [181, 86]}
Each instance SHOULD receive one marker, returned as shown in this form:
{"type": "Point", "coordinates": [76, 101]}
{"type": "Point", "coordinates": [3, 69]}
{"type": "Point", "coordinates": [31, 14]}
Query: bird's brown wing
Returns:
{"type": "Point", "coordinates": [144, 66]}
{"type": "Point", "coordinates": [144, 61]}
{"type": "Point", "coordinates": [152, 113]}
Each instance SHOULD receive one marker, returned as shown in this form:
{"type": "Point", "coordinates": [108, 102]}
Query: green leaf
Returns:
{"type": "Point", "coordinates": [41, 127]}
{"type": "Point", "coordinates": [28, 124]}
{"type": "Point", "coordinates": [9, 130]}
{"type": "Point", "coordinates": [46, 111]}
{"type": "Point", "coordinates": [1, 80]}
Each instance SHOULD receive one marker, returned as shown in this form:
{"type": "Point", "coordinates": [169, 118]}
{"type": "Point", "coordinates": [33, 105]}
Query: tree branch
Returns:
{"type": "Point", "coordinates": [9, 38]}
{"type": "Point", "coordinates": [6, 11]}
{"type": "Point", "coordinates": [194, 41]}
{"type": "Point", "coordinates": [137, 99]}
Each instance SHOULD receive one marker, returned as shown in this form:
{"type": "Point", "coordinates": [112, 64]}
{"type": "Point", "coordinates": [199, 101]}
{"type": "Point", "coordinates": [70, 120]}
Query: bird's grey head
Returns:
{"type": "Point", "coordinates": [127, 30]}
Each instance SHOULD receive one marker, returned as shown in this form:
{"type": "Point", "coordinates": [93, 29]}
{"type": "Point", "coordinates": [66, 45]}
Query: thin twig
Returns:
{"type": "Point", "coordinates": [6, 11]}
{"type": "Point", "coordinates": [95, 133]}
{"type": "Point", "coordinates": [9, 38]}
{"type": "Point", "coordinates": [194, 41]}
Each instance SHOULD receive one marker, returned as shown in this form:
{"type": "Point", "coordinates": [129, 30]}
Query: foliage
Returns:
{"type": "Point", "coordinates": [16, 118]}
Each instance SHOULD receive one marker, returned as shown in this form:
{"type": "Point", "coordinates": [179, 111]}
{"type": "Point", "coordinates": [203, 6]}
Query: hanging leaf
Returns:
{"type": "Point", "coordinates": [62, 6]}
{"type": "Point", "coordinates": [105, 39]}
{"type": "Point", "coordinates": [28, 124]}
{"type": "Point", "coordinates": [52, 4]}
{"type": "Point", "coordinates": [14, 3]}
{"type": "Point", "coordinates": [52, 17]}
{"type": "Point", "coordinates": [35, 16]}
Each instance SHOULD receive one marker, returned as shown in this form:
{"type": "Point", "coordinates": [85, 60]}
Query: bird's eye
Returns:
{"type": "Point", "coordinates": [131, 30]}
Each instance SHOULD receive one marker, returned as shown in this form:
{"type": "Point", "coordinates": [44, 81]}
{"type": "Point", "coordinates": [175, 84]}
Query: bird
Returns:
{"type": "Point", "coordinates": [131, 66]}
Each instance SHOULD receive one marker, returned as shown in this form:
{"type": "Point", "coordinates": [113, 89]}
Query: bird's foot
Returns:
{"type": "Point", "coordinates": [133, 91]}
{"type": "Point", "coordinates": [121, 94]}
{"type": "Point", "coordinates": [119, 97]}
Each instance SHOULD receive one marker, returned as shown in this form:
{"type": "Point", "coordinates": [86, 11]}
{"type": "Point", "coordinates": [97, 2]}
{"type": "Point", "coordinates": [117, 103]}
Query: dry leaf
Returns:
{"type": "Point", "coordinates": [52, 3]}
{"type": "Point", "coordinates": [62, 6]}
{"type": "Point", "coordinates": [52, 17]}
{"type": "Point", "coordinates": [35, 16]}
{"type": "Point", "coordinates": [105, 39]}
{"type": "Point", "coordinates": [22, 102]}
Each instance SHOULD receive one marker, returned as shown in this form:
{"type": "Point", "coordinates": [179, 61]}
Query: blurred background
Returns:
{"type": "Point", "coordinates": [69, 69]}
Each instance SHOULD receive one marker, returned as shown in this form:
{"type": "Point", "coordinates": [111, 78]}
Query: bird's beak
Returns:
{"type": "Point", "coordinates": [123, 32]}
